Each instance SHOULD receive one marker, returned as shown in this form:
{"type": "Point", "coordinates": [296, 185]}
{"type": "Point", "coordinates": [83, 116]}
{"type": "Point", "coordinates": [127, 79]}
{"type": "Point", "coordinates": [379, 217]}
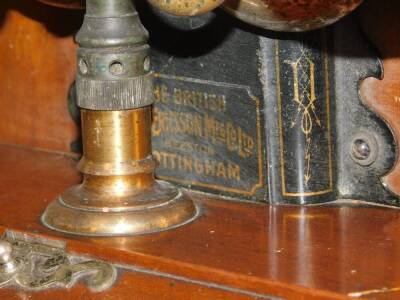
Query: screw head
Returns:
{"type": "Point", "coordinates": [361, 149]}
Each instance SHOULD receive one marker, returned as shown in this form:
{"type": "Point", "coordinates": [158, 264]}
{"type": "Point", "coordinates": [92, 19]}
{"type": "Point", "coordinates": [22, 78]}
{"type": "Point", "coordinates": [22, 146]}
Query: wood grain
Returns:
{"type": "Point", "coordinates": [381, 24]}
{"type": "Point", "coordinates": [136, 286]}
{"type": "Point", "coordinates": [313, 252]}
{"type": "Point", "coordinates": [37, 67]}
{"type": "Point", "coordinates": [316, 252]}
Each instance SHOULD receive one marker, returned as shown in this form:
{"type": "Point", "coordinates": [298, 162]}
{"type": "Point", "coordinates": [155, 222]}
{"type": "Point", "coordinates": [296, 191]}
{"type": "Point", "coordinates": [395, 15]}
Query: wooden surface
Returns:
{"type": "Point", "coordinates": [381, 24]}
{"type": "Point", "coordinates": [290, 252]}
{"type": "Point", "coordinates": [37, 67]}
{"type": "Point", "coordinates": [137, 286]}
{"type": "Point", "coordinates": [314, 252]}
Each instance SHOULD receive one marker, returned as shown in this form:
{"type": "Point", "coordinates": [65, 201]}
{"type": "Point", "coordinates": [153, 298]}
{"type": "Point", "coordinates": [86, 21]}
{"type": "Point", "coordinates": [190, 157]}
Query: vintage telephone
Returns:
{"type": "Point", "coordinates": [200, 122]}
{"type": "Point", "coordinates": [114, 86]}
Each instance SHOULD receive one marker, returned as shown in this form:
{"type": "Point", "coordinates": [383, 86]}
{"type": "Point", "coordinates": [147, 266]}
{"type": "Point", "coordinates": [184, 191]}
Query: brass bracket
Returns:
{"type": "Point", "coordinates": [36, 264]}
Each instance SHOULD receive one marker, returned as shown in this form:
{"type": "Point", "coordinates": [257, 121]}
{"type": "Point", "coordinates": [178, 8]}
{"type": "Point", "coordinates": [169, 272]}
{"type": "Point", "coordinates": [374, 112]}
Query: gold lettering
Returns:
{"type": "Point", "coordinates": [208, 167]}
{"type": "Point", "coordinates": [221, 170]}
{"type": "Point", "coordinates": [198, 167]}
{"type": "Point", "coordinates": [161, 93]}
{"type": "Point", "coordinates": [206, 127]}
{"type": "Point", "coordinates": [245, 144]}
{"type": "Point", "coordinates": [177, 96]}
{"type": "Point", "coordinates": [157, 127]}
{"type": "Point", "coordinates": [231, 141]}
{"type": "Point", "coordinates": [192, 98]}
{"type": "Point", "coordinates": [172, 158]}
{"type": "Point", "coordinates": [233, 171]}
{"type": "Point", "coordinates": [188, 164]}
{"type": "Point", "coordinates": [209, 128]}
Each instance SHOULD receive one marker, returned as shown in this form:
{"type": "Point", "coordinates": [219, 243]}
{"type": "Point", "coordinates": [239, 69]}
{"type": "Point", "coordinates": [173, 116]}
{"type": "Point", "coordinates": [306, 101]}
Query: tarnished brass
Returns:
{"type": "Point", "coordinates": [186, 7]}
{"type": "Point", "coordinates": [32, 264]}
{"type": "Point", "coordinates": [73, 4]}
{"type": "Point", "coordinates": [118, 195]}
{"type": "Point", "coordinates": [176, 7]}
{"type": "Point", "coordinates": [279, 15]}
{"type": "Point", "coordinates": [290, 15]}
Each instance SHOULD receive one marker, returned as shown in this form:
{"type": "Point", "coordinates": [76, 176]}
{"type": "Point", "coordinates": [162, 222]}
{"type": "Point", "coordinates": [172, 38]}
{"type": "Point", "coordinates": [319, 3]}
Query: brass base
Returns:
{"type": "Point", "coordinates": [73, 213]}
{"type": "Point", "coordinates": [119, 194]}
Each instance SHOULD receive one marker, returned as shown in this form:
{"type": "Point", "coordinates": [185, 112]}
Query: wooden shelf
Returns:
{"type": "Point", "coordinates": [234, 251]}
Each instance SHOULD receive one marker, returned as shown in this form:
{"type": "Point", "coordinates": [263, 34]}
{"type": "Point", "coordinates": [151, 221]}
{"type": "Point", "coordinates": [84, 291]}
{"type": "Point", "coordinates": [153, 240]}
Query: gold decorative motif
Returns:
{"type": "Point", "coordinates": [31, 265]}
{"type": "Point", "coordinates": [304, 97]}
{"type": "Point", "coordinates": [306, 107]}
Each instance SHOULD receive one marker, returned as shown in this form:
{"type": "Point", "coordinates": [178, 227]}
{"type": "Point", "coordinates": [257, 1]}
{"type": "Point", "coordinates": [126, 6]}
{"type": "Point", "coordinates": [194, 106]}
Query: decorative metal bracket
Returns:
{"type": "Point", "coordinates": [35, 264]}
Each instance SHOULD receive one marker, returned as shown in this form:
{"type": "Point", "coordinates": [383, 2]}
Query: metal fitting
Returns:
{"type": "Point", "coordinates": [186, 7]}
{"type": "Point", "coordinates": [113, 58]}
{"type": "Point", "coordinates": [119, 194]}
{"type": "Point", "coordinates": [290, 15]}
{"type": "Point", "coordinates": [363, 148]}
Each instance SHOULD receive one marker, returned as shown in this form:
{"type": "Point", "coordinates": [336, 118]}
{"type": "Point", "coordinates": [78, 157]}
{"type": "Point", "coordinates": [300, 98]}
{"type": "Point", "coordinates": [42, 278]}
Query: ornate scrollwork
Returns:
{"type": "Point", "coordinates": [305, 98]}
{"type": "Point", "coordinates": [34, 266]}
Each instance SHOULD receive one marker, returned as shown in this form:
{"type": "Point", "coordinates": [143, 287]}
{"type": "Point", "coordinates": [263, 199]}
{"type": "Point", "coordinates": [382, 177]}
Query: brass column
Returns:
{"type": "Point", "coordinates": [119, 194]}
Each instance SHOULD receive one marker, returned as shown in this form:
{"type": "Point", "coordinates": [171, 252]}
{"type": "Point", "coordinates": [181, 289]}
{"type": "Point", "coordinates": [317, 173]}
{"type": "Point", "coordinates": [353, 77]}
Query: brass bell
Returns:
{"type": "Point", "coordinates": [278, 15]}
{"type": "Point", "coordinates": [290, 15]}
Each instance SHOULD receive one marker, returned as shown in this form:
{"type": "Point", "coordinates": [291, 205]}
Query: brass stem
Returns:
{"type": "Point", "coordinates": [117, 149]}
